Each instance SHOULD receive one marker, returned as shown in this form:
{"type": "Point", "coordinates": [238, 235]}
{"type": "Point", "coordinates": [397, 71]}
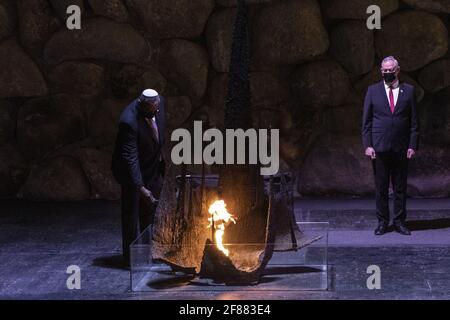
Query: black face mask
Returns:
{"type": "Point", "coordinates": [389, 77]}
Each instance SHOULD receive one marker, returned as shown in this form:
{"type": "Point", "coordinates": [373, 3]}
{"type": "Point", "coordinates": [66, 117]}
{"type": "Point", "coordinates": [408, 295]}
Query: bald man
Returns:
{"type": "Point", "coordinates": [390, 133]}
{"type": "Point", "coordinates": [138, 164]}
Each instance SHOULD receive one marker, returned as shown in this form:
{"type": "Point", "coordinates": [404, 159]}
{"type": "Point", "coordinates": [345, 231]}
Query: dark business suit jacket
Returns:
{"type": "Point", "coordinates": [136, 158]}
{"type": "Point", "coordinates": [387, 131]}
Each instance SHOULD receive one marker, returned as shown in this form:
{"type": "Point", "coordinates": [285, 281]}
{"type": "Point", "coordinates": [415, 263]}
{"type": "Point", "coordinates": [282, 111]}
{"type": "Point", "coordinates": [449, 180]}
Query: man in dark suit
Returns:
{"type": "Point", "coordinates": [138, 164]}
{"type": "Point", "coordinates": [390, 136]}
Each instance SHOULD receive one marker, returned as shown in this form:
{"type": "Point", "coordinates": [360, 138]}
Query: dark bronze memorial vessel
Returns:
{"type": "Point", "coordinates": [261, 216]}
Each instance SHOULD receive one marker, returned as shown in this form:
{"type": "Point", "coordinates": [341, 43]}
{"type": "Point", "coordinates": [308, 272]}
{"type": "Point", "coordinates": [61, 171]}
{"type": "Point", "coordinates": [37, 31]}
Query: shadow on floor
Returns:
{"type": "Point", "coordinates": [290, 270]}
{"type": "Point", "coordinates": [421, 225]}
{"type": "Point", "coordinates": [110, 262]}
{"type": "Point", "coordinates": [176, 282]}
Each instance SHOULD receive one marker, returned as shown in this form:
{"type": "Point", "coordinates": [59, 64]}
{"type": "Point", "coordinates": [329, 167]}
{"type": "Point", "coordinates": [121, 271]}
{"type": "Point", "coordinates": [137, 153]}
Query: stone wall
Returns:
{"type": "Point", "coordinates": [61, 91]}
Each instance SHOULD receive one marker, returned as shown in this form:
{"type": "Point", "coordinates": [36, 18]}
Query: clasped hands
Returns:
{"type": "Point", "coordinates": [370, 152]}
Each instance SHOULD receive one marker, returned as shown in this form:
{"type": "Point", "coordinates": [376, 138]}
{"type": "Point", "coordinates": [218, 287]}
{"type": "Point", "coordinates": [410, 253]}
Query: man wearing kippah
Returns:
{"type": "Point", "coordinates": [138, 164]}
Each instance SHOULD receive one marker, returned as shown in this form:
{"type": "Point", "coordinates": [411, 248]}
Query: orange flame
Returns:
{"type": "Point", "coordinates": [220, 218]}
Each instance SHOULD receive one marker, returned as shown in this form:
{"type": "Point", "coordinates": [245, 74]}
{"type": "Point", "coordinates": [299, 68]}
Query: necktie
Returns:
{"type": "Point", "coordinates": [154, 127]}
{"type": "Point", "coordinates": [391, 100]}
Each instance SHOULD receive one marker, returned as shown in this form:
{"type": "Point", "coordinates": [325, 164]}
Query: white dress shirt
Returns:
{"type": "Point", "coordinates": [395, 90]}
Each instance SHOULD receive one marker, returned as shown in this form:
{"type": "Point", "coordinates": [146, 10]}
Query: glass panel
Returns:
{"type": "Point", "coordinates": [294, 270]}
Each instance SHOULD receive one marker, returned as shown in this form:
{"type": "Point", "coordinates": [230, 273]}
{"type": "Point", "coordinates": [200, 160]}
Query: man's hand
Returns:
{"type": "Point", "coordinates": [411, 153]}
{"type": "Point", "coordinates": [370, 152]}
{"type": "Point", "coordinates": [147, 194]}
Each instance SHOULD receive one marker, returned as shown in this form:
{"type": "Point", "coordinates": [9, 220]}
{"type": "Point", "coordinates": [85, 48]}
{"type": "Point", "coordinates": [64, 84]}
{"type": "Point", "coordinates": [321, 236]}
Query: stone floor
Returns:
{"type": "Point", "coordinates": [38, 241]}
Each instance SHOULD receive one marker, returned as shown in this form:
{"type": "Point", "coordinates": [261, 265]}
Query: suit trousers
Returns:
{"type": "Point", "coordinates": [137, 214]}
{"type": "Point", "coordinates": [391, 167]}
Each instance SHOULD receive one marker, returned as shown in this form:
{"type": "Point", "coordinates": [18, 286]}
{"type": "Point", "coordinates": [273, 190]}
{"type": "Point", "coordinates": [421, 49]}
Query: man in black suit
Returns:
{"type": "Point", "coordinates": [390, 136]}
{"type": "Point", "coordinates": [138, 164]}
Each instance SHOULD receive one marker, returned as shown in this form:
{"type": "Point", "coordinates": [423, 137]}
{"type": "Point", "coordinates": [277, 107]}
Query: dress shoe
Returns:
{"type": "Point", "coordinates": [402, 229]}
{"type": "Point", "coordinates": [381, 229]}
